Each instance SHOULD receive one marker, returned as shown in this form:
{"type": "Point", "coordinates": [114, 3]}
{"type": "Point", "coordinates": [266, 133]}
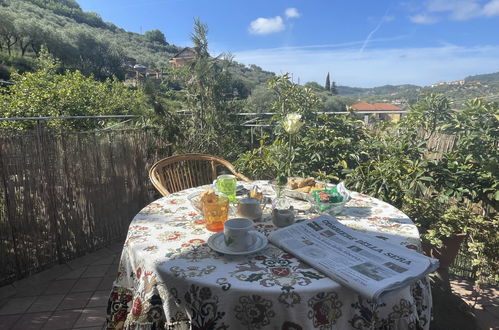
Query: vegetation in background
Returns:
{"type": "Point", "coordinates": [48, 93]}
{"type": "Point", "coordinates": [327, 85]}
{"type": "Point", "coordinates": [322, 148]}
{"type": "Point", "coordinates": [213, 98]}
{"type": "Point", "coordinates": [70, 33]}
{"type": "Point", "coordinates": [156, 36]}
{"type": "Point", "coordinates": [429, 113]}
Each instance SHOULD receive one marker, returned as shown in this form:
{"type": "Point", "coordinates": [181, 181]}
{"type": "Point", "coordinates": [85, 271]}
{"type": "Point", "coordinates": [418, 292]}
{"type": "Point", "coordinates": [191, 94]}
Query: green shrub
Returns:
{"type": "Point", "coordinates": [390, 167]}
{"type": "Point", "coordinates": [44, 93]}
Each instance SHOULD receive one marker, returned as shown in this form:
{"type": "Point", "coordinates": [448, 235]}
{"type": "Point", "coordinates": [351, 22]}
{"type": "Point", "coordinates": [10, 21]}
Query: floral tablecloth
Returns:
{"type": "Point", "coordinates": [169, 278]}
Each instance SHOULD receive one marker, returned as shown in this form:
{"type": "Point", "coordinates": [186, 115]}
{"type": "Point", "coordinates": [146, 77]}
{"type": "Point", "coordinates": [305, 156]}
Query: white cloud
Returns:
{"type": "Point", "coordinates": [423, 19]}
{"type": "Point", "coordinates": [458, 10]}
{"type": "Point", "coordinates": [266, 25]}
{"type": "Point", "coordinates": [491, 8]}
{"type": "Point", "coordinates": [375, 67]}
{"type": "Point", "coordinates": [292, 13]}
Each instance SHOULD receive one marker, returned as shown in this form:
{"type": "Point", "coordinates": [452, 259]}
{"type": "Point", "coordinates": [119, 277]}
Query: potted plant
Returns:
{"type": "Point", "coordinates": [443, 224]}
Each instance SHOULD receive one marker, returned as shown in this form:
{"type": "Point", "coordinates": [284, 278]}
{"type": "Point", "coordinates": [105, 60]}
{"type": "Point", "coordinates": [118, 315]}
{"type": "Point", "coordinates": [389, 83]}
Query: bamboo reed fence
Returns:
{"type": "Point", "coordinates": [65, 194]}
{"type": "Point", "coordinates": [438, 143]}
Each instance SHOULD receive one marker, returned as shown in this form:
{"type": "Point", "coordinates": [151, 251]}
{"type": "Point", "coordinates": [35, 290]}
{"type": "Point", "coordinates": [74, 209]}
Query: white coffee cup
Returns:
{"type": "Point", "coordinates": [249, 208]}
{"type": "Point", "coordinates": [238, 234]}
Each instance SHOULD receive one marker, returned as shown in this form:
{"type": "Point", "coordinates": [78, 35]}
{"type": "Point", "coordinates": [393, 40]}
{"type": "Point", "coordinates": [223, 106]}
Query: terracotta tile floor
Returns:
{"type": "Point", "coordinates": [74, 296]}
{"type": "Point", "coordinates": [70, 296]}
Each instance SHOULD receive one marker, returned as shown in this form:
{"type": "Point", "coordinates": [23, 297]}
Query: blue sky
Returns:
{"type": "Point", "coordinates": [362, 43]}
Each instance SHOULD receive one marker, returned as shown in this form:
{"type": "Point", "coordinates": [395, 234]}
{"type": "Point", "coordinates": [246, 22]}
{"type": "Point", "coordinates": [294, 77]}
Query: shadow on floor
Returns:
{"type": "Point", "coordinates": [457, 306]}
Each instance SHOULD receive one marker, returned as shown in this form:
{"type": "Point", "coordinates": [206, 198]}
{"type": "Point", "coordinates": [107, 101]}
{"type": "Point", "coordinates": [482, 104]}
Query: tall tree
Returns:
{"type": "Point", "coordinates": [8, 33]}
{"type": "Point", "coordinates": [334, 90]}
{"type": "Point", "coordinates": [212, 95]}
{"type": "Point", "coordinates": [98, 56]}
{"type": "Point", "coordinates": [327, 86]}
{"type": "Point", "coordinates": [199, 82]}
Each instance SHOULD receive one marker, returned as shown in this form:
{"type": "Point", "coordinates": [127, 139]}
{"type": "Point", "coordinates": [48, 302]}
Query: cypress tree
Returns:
{"type": "Point", "coordinates": [327, 86]}
{"type": "Point", "coordinates": [334, 90]}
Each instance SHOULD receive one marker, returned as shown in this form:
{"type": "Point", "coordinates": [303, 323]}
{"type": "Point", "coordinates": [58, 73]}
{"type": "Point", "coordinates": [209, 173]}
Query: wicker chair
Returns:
{"type": "Point", "coordinates": [184, 171]}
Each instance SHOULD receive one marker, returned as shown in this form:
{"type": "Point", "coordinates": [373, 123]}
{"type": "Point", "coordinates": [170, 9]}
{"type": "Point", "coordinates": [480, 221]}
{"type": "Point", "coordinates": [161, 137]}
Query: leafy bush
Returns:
{"type": "Point", "coordinates": [262, 162]}
{"type": "Point", "coordinates": [483, 245]}
{"type": "Point", "coordinates": [323, 147]}
{"type": "Point", "coordinates": [471, 170]}
{"type": "Point", "coordinates": [328, 147]}
{"type": "Point", "coordinates": [429, 113]}
{"type": "Point", "coordinates": [390, 167]}
{"type": "Point", "coordinates": [437, 217]}
{"type": "Point", "coordinates": [45, 93]}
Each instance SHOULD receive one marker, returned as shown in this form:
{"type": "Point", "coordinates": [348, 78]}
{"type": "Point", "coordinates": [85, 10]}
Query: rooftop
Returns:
{"type": "Point", "coordinates": [364, 106]}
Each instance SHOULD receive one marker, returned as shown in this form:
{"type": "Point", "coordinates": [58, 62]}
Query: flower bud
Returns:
{"type": "Point", "coordinates": [293, 123]}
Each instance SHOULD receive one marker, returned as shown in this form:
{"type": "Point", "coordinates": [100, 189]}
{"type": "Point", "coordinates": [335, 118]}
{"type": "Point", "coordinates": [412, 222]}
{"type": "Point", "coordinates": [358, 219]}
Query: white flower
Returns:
{"type": "Point", "coordinates": [293, 123]}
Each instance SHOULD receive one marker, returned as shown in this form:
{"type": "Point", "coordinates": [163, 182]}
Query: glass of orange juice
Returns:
{"type": "Point", "coordinates": [216, 212]}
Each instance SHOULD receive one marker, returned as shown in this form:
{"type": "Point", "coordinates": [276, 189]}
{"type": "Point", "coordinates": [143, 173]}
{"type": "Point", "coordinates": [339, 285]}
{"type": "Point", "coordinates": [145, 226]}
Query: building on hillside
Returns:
{"type": "Point", "coordinates": [183, 57]}
{"type": "Point", "coordinates": [130, 61]}
{"type": "Point", "coordinates": [448, 83]}
{"type": "Point", "coordinates": [378, 111]}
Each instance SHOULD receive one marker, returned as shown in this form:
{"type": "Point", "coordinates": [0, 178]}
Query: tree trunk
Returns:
{"type": "Point", "coordinates": [11, 41]}
{"type": "Point", "coordinates": [24, 47]}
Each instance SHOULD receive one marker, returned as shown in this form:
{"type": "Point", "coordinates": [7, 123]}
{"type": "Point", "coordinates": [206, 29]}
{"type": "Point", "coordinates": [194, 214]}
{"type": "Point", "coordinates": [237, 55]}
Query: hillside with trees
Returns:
{"type": "Point", "coordinates": [80, 40]}
{"type": "Point", "coordinates": [483, 78]}
{"type": "Point", "coordinates": [83, 41]}
{"type": "Point", "coordinates": [484, 86]}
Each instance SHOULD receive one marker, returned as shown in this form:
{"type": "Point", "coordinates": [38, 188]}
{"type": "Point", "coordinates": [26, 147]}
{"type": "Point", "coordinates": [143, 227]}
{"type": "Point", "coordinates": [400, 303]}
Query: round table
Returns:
{"type": "Point", "coordinates": [168, 277]}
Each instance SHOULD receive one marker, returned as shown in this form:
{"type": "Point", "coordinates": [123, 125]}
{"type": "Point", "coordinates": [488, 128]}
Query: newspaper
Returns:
{"type": "Point", "coordinates": [365, 264]}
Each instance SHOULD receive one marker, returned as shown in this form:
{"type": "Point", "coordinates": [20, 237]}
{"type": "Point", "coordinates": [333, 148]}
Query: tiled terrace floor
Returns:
{"type": "Point", "coordinates": [74, 296]}
{"type": "Point", "coordinates": [69, 296]}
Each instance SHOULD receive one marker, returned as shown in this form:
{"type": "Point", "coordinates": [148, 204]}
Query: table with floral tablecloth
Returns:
{"type": "Point", "coordinates": [168, 277]}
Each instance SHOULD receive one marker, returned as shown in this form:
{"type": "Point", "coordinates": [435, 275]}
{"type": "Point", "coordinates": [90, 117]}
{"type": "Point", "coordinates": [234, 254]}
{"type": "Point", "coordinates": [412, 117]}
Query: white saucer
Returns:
{"type": "Point", "coordinates": [217, 243]}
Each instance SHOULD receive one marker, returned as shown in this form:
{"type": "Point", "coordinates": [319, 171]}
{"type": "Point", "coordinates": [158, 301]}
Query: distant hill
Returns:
{"type": "Point", "coordinates": [484, 78]}
{"type": "Point", "coordinates": [381, 90]}
{"type": "Point", "coordinates": [484, 86]}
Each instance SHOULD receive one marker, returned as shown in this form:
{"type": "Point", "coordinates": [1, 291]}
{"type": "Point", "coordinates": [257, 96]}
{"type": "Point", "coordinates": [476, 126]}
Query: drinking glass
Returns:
{"type": "Point", "coordinates": [256, 193]}
{"type": "Point", "coordinates": [226, 184]}
{"type": "Point", "coordinates": [216, 213]}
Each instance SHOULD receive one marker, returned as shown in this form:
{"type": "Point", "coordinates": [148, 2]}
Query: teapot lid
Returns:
{"type": "Point", "coordinates": [249, 200]}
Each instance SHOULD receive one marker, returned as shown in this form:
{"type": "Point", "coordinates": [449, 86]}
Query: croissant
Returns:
{"type": "Point", "coordinates": [305, 189]}
{"type": "Point", "coordinates": [302, 183]}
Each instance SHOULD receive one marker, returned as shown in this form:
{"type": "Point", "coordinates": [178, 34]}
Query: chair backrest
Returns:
{"type": "Point", "coordinates": [184, 171]}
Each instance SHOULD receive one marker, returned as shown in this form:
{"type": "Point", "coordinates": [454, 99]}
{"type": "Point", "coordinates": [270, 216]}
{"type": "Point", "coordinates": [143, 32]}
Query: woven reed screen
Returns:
{"type": "Point", "coordinates": [64, 194]}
